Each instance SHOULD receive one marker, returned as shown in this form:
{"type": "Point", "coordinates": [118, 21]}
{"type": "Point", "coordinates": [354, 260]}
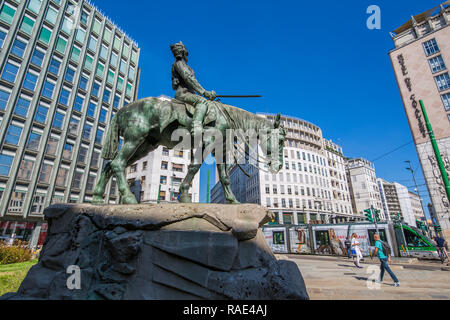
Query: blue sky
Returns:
{"type": "Point", "coordinates": [315, 60]}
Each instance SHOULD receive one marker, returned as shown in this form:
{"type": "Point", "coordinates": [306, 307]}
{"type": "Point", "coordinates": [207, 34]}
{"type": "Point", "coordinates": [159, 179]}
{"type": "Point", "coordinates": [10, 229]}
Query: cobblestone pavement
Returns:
{"type": "Point", "coordinates": [335, 278]}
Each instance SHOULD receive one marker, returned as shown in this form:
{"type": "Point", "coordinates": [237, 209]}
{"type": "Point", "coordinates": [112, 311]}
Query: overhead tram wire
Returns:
{"type": "Point", "coordinates": [391, 152]}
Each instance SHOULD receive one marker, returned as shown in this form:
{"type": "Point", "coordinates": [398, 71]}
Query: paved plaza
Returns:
{"type": "Point", "coordinates": [336, 278]}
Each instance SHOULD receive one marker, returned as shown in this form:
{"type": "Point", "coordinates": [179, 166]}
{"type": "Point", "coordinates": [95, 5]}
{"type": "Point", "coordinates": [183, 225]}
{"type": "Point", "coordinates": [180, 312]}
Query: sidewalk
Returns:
{"type": "Point", "coordinates": [337, 278]}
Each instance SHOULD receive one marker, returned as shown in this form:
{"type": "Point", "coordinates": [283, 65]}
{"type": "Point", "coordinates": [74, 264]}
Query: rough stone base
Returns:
{"type": "Point", "coordinates": [153, 252]}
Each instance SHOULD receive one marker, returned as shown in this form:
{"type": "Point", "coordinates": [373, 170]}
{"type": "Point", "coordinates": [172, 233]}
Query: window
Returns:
{"type": "Point", "coordinates": [82, 155]}
{"type": "Point", "coordinates": [67, 152]}
{"type": "Point", "coordinates": [103, 52]}
{"type": "Point", "coordinates": [61, 45]}
{"type": "Point", "coordinates": [107, 35]}
{"type": "Point", "coordinates": [91, 110]}
{"type": "Point", "coordinates": [116, 101]}
{"type": "Point", "coordinates": [34, 5]}
{"type": "Point", "coordinates": [27, 25]}
{"type": "Point", "coordinates": [45, 35]}
{"type": "Point", "coordinates": [87, 132]}
{"type": "Point", "coordinates": [34, 140]}
{"type": "Point", "coordinates": [83, 83]}
{"type": "Point", "coordinates": [120, 83]}
{"type": "Point", "coordinates": [2, 38]}
{"type": "Point", "coordinates": [110, 77]}
{"type": "Point", "coordinates": [54, 66]}
{"type": "Point", "coordinates": [287, 218]}
{"type": "Point", "coordinates": [30, 81]}
{"type": "Point", "coordinates": [61, 179]}
{"type": "Point", "coordinates": [51, 15]}
{"type": "Point", "coordinates": [95, 89]}
{"type": "Point", "coordinates": [443, 81]}
{"type": "Point", "coordinates": [41, 114]}
{"type": "Point", "coordinates": [48, 89]}
{"type": "Point", "coordinates": [99, 136]}
{"type": "Point", "coordinates": [64, 97]}
{"type": "Point", "coordinates": [74, 125]}
{"type": "Point", "coordinates": [67, 26]}
{"type": "Point", "coordinates": [103, 114]}
{"type": "Point", "coordinates": [52, 146]}
{"type": "Point", "coordinates": [131, 73]}
{"type": "Point", "coordinates": [10, 72]}
{"type": "Point", "coordinates": [129, 89]}
{"type": "Point", "coordinates": [114, 60]}
{"type": "Point", "coordinates": [37, 58]}
{"type": "Point", "coordinates": [58, 120]}
{"type": "Point", "coordinates": [446, 101]}
{"type": "Point", "coordinates": [46, 172]}
{"type": "Point", "coordinates": [5, 164]}
{"type": "Point", "coordinates": [13, 135]}
{"type": "Point", "coordinates": [81, 34]}
{"type": "Point", "coordinates": [21, 108]}
{"type": "Point", "coordinates": [144, 166]}
{"type": "Point", "coordinates": [95, 159]}
{"type": "Point", "coordinates": [25, 169]}
{"type": "Point", "coordinates": [165, 152]}
{"type": "Point", "coordinates": [78, 105]}
{"type": "Point", "coordinates": [437, 64]}
{"type": "Point", "coordinates": [7, 14]}
{"type": "Point", "coordinates": [106, 95]}
{"type": "Point", "coordinates": [70, 73]}
{"type": "Point", "coordinates": [77, 178]}
{"type": "Point", "coordinates": [75, 55]}
{"type": "Point", "coordinates": [88, 63]}
{"type": "Point", "coordinates": [93, 44]}
{"type": "Point", "coordinates": [96, 27]}
{"type": "Point", "coordinates": [100, 70]}
{"type": "Point", "coordinates": [164, 165]}
{"type": "Point", "coordinates": [84, 17]}
{"type": "Point", "coordinates": [4, 97]}
{"type": "Point", "coordinates": [431, 47]}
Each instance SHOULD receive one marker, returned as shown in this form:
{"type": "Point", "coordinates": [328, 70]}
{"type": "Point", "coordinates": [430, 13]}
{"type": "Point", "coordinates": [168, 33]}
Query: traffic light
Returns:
{"type": "Point", "coordinates": [369, 215]}
{"type": "Point", "coordinates": [377, 215]}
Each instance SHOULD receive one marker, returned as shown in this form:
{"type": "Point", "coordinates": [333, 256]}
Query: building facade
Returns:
{"type": "Point", "coordinates": [420, 60]}
{"type": "Point", "coordinates": [363, 186]}
{"type": "Point", "coordinates": [311, 186]}
{"type": "Point", "coordinates": [65, 71]}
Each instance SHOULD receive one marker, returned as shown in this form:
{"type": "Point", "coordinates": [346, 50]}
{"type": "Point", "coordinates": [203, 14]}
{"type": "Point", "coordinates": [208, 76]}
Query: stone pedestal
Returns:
{"type": "Point", "coordinates": [153, 252]}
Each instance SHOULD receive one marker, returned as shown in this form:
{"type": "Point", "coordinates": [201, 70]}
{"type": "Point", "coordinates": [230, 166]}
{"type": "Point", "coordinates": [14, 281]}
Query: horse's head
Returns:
{"type": "Point", "coordinates": [275, 145]}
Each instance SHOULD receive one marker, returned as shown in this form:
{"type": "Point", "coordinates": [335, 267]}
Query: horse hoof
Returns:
{"type": "Point", "coordinates": [129, 200]}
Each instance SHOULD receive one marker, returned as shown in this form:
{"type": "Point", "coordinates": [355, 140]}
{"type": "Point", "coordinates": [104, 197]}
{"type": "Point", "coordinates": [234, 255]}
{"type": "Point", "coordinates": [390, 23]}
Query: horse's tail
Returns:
{"type": "Point", "coordinates": [111, 146]}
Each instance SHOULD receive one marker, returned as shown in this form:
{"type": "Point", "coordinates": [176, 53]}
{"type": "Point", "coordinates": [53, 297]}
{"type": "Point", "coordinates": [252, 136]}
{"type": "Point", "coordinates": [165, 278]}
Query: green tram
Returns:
{"type": "Point", "coordinates": [404, 240]}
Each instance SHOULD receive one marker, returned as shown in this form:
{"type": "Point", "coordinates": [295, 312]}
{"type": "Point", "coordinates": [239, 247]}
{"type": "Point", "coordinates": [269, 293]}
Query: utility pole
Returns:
{"type": "Point", "coordinates": [436, 151]}
{"type": "Point", "coordinates": [415, 183]}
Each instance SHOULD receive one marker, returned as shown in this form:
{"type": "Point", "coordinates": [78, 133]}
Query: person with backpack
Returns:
{"type": "Point", "coordinates": [383, 251]}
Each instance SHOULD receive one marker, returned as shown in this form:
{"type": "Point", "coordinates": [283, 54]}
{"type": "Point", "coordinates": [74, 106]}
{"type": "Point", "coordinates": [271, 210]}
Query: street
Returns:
{"type": "Point", "coordinates": [337, 278]}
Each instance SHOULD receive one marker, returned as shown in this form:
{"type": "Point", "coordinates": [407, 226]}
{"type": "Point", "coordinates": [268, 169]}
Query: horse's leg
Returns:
{"type": "Point", "coordinates": [119, 165]}
{"type": "Point", "coordinates": [99, 190]}
{"type": "Point", "coordinates": [186, 184]}
{"type": "Point", "coordinates": [226, 184]}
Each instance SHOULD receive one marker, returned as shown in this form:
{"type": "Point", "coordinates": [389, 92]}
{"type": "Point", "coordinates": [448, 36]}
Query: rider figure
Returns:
{"type": "Point", "coordinates": [186, 86]}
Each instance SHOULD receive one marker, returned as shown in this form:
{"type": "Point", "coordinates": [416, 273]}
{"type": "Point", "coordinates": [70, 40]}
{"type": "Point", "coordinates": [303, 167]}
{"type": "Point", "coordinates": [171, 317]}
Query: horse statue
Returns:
{"type": "Point", "coordinates": [149, 123]}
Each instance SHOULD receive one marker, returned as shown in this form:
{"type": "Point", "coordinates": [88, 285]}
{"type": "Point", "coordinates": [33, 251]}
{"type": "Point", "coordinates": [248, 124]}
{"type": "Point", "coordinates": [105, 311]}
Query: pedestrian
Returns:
{"type": "Point", "coordinates": [357, 249]}
{"type": "Point", "coordinates": [348, 246]}
{"type": "Point", "coordinates": [440, 243]}
{"type": "Point", "coordinates": [11, 240]}
{"type": "Point", "coordinates": [385, 259]}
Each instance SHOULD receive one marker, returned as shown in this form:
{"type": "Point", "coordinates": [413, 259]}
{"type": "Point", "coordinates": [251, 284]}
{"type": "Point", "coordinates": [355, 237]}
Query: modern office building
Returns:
{"type": "Point", "coordinates": [396, 199]}
{"type": "Point", "coordinates": [420, 59]}
{"type": "Point", "coordinates": [157, 177]}
{"type": "Point", "coordinates": [311, 186]}
{"type": "Point", "coordinates": [363, 186]}
{"type": "Point", "coordinates": [66, 69]}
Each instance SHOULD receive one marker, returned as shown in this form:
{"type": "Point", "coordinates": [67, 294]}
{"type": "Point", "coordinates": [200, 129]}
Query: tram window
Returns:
{"type": "Point", "coordinates": [372, 233]}
{"type": "Point", "coordinates": [278, 237]}
{"type": "Point", "coordinates": [322, 238]}
{"type": "Point", "coordinates": [414, 240]}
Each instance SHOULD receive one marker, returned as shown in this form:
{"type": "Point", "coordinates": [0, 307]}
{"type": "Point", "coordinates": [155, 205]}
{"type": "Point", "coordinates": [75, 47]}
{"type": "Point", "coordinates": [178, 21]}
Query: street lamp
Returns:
{"type": "Point", "coordinates": [415, 183]}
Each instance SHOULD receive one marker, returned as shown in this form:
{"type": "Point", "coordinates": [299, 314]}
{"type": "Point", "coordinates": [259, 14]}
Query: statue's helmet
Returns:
{"type": "Point", "coordinates": [179, 50]}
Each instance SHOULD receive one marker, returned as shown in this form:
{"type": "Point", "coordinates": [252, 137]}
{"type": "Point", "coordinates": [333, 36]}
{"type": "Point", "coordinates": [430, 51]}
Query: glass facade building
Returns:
{"type": "Point", "coordinates": [65, 70]}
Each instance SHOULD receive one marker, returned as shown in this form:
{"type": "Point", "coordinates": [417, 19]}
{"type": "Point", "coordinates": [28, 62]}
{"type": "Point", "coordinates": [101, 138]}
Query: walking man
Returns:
{"type": "Point", "coordinates": [385, 259]}
{"type": "Point", "coordinates": [358, 253]}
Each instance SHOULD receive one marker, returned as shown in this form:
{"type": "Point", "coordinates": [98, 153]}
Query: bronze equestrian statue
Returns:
{"type": "Point", "coordinates": [149, 123]}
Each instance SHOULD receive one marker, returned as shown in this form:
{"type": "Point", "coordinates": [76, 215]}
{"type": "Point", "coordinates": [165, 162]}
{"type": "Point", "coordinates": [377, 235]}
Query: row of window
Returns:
{"type": "Point", "coordinates": [437, 64]}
